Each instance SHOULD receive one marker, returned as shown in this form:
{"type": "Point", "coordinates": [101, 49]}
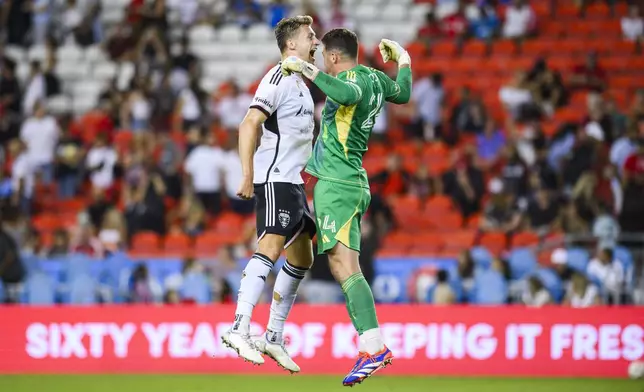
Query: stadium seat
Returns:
{"type": "Point", "coordinates": [201, 34]}
{"type": "Point", "coordinates": [146, 241]}
{"type": "Point", "coordinates": [578, 259]}
{"type": "Point", "coordinates": [490, 288]}
{"type": "Point", "coordinates": [462, 239]}
{"type": "Point", "coordinates": [209, 242]}
{"type": "Point", "coordinates": [481, 256]}
{"type": "Point", "coordinates": [230, 34]}
{"type": "Point", "coordinates": [196, 287]}
{"type": "Point", "coordinates": [178, 244]}
{"type": "Point", "coordinates": [494, 242]}
{"type": "Point", "coordinates": [525, 239]}
{"type": "Point", "coordinates": [260, 33]}
{"type": "Point", "coordinates": [39, 290]}
{"type": "Point", "coordinates": [522, 263]}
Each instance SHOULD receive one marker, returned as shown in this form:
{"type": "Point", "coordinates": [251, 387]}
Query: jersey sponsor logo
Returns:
{"type": "Point", "coordinates": [264, 102]}
{"type": "Point", "coordinates": [276, 170]}
{"type": "Point", "coordinates": [303, 112]}
{"type": "Point", "coordinates": [326, 225]}
{"type": "Point", "coordinates": [284, 218]}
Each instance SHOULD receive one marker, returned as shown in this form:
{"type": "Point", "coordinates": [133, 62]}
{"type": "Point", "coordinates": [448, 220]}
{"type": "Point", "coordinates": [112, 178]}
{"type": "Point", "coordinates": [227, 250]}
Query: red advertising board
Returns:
{"type": "Point", "coordinates": [516, 341]}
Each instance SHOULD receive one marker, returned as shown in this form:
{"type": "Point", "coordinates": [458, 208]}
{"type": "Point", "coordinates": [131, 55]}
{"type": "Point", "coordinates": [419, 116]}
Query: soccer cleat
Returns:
{"type": "Point", "coordinates": [244, 347]}
{"type": "Point", "coordinates": [278, 353]}
{"type": "Point", "coordinates": [367, 365]}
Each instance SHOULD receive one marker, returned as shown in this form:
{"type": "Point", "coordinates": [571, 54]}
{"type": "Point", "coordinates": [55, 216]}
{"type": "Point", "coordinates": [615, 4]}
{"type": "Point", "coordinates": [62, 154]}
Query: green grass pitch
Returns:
{"type": "Point", "coordinates": [302, 383]}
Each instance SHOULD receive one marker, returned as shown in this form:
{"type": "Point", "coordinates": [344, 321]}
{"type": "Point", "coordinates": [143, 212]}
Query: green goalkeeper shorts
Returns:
{"type": "Point", "coordinates": [338, 211]}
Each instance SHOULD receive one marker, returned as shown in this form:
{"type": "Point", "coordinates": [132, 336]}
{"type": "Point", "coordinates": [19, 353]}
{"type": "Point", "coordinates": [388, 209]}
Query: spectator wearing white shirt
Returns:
{"type": "Point", "coordinates": [516, 96]}
{"type": "Point", "coordinates": [72, 18]}
{"type": "Point", "coordinates": [204, 167]}
{"type": "Point", "coordinates": [40, 133]}
{"type": "Point", "coordinates": [232, 108]}
{"type": "Point", "coordinates": [632, 24]}
{"type": "Point", "coordinates": [136, 112]}
{"type": "Point", "coordinates": [233, 174]}
{"type": "Point", "coordinates": [519, 20]}
{"type": "Point", "coordinates": [35, 89]}
{"type": "Point", "coordinates": [609, 272]}
{"type": "Point", "coordinates": [535, 294]}
{"type": "Point", "coordinates": [101, 159]}
{"type": "Point", "coordinates": [188, 106]}
{"type": "Point", "coordinates": [41, 18]}
{"type": "Point", "coordinates": [22, 177]}
{"type": "Point", "coordinates": [429, 95]}
{"type": "Point", "coordinates": [581, 294]}
{"type": "Point", "coordinates": [622, 148]}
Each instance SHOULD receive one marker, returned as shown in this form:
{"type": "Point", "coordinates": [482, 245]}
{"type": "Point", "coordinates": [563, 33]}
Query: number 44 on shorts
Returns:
{"type": "Point", "coordinates": [326, 225]}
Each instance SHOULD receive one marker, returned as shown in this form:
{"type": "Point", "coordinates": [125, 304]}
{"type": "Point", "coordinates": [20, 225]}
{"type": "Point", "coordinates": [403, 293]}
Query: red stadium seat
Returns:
{"type": "Point", "coordinates": [524, 239]}
{"type": "Point", "coordinates": [494, 242]}
{"type": "Point", "coordinates": [177, 244]}
{"type": "Point", "coordinates": [146, 241]}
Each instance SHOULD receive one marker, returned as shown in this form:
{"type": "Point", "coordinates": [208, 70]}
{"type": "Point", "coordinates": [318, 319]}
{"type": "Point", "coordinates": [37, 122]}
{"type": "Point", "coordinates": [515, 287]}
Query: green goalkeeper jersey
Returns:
{"type": "Point", "coordinates": [348, 117]}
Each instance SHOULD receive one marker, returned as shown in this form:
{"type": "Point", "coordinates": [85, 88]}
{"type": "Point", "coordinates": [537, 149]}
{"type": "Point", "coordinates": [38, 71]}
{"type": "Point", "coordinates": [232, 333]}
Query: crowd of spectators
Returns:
{"type": "Point", "coordinates": [178, 169]}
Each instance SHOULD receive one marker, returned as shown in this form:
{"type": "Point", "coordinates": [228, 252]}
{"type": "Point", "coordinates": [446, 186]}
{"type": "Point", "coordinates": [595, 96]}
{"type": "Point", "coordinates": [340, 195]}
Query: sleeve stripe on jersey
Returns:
{"type": "Point", "coordinates": [277, 76]}
{"type": "Point", "coordinates": [261, 109]}
{"type": "Point", "coordinates": [356, 87]}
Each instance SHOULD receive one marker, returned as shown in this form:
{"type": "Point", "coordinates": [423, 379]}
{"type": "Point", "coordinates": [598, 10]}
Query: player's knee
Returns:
{"type": "Point", "coordinates": [339, 268]}
{"type": "Point", "coordinates": [271, 246]}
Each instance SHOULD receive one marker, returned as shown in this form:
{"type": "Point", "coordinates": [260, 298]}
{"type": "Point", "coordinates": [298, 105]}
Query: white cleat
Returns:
{"type": "Point", "coordinates": [278, 353]}
{"type": "Point", "coordinates": [244, 346]}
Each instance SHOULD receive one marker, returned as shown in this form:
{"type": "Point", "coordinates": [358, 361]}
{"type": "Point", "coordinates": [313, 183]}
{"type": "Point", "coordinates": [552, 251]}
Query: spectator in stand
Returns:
{"type": "Point", "coordinates": [97, 209]}
{"type": "Point", "coordinates": [624, 147]}
{"type": "Point", "coordinates": [154, 14]}
{"type": "Point", "coordinates": [581, 294]}
{"type": "Point", "coordinates": [501, 214]}
{"type": "Point", "coordinates": [246, 12]}
{"type": "Point", "coordinates": [143, 287]}
{"type": "Point", "coordinates": [143, 196]}
{"type": "Point", "coordinates": [72, 18]}
{"type": "Point", "coordinates": [632, 24]}
{"type": "Point", "coordinates": [393, 180]}
{"type": "Point", "coordinates": [101, 161]}
{"type": "Point", "coordinates": [589, 76]}
{"type": "Point", "coordinates": [637, 107]}
{"type": "Point", "coordinates": [487, 25]}
{"type": "Point", "coordinates": [542, 171]}
{"type": "Point", "coordinates": [85, 242]}
{"type": "Point", "coordinates": [514, 173]}
{"type": "Point", "coordinates": [443, 294]}
{"type": "Point", "coordinates": [520, 20]}
{"type": "Point", "coordinates": [188, 10]}
{"type": "Point", "coordinates": [468, 115]}
{"type": "Point", "coordinates": [170, 159]}
{"type": "Point", "coordinates": [189, 107]}
{"type": "Point", "coordinates": [546, 87]}
{"type": "Point", "coordinates": [605, 228]}
{"type": "Point", "coordinates": [421, 184]}
{"type": "Point", "coordinates": [430, 31]}
{"type": "Point", "coordinates": [163, 101]}
{"type": "Point", "coordinates": [120, 45]}
{"type": "Point", "coordinates": [517, 98]}
{"type": "Point", "coordinates": [429, 97]}
{"type": "Point", "coordinates": [193, 215]}
{"type": "Point", "coordinates": [60, 245]}
{"type": "Point", "coordinates": [23, 177]}
{"type": "Point", "coordinates": [34, 89]}
{"type": "Point", "coordinates": [542, 213]}
{"type": "Point", "coordinates": [464, 184]}
{"type": "Point", "coordinates": [581, 158]}
{"type": "Point", "coordinates": [232, 172]}
{"type": "Point", "coordinates": [40, 134]}
{"type": "Point", "coordinates": [136, 109]}
{"type": "Point", "coordinates": [276, 11]}
{"type": "Point", "coordinates": [338, 18]}
{"type": "Point", "coordinates": [113, 231]}
{"type": "Point", "coordinates": [618, 121]}
{"type": "Point", "coordinates": [68, 158]}
{"type": "Point", "coordinates": [455, 25]}
{"type": "Point", "coordinates": [232, 108]}
{"type": "Point", "coordinates": [608, 271]}
{"type": "Point", "coordinates": [559, 261]}
{"type": "Point", "coordinates": [631, 218]}
{"type": "Point", "coordinates": [203, 168]}
{"type": "Point", "coordinates": [10, 99]}
{"type": "Point", "coordinates": [466, 268]}
{"type": "Point", "coordinates": [12, 271]}
{"type": "Point", "coordinates": [536, 294]}
{"type": "Point", "coordinates": [41, 19]}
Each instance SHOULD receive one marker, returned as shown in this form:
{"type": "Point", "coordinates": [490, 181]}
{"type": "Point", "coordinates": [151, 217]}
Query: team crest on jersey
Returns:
{"type": "Point", "coordinates": [284, 218]}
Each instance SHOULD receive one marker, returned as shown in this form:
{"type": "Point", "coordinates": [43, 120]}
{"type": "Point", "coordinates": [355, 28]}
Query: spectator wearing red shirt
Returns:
{"type": "Point", "coordinates": [456, 26]}
{"type": "Point", "coordinates": [589, 76]}
{"type": "Point", "coordinates": [632, 215]}
{"type": "Point", "coordinates": [430, 31]}
{"type": "Point", "coordinates": [634, 165]}
{"type": "Point", "coordinates": [394, 180]}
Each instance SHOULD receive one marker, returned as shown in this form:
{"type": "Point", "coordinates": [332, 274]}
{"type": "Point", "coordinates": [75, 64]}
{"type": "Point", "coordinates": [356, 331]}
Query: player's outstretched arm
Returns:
{"type": "Point", "coordinates": [248, 132]}
{"type": "Point", "coordinates": [401, 88]}
{"type": "Point", "coordinates": [343, 92]}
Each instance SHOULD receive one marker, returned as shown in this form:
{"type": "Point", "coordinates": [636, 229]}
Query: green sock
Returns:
{"type": "Point", "coordinates": [360, 303]}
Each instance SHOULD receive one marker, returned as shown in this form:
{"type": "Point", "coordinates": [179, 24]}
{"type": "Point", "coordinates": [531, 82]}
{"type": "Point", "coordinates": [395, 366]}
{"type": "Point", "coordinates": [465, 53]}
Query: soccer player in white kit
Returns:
{"type": "Point", "coordinates": [283, 108]}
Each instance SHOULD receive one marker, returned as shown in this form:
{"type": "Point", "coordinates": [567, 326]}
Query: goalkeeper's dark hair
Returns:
{"type": "Point", "coordinates": [343, 40]}
{"type": "Point", "coordinates": [288, 27]}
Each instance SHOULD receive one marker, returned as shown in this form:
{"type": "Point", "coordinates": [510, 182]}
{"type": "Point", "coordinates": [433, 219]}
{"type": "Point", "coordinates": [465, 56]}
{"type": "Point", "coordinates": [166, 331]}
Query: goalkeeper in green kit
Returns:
{"type": "Point", "coordinates": [355, 95]}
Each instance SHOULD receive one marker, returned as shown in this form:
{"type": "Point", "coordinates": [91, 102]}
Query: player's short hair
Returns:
{"type": "Point", "coordinates": [287, 28]}
{"type": "Point", "coordinates": [342, 40]}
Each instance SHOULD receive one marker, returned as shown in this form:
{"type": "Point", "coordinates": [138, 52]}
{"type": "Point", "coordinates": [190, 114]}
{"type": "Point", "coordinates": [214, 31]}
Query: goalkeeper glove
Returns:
{"type": "Point", "coordinates": [392, 50]}
{"type": "Point", "coordinates": [293, 64]}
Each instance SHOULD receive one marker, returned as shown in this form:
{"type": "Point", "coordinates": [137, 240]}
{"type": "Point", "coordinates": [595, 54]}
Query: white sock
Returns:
{"type": "Point", "coordinates": [252, 285]}
{"type": "Point", "coordinates": [284, 293]}
{"type": "Point", "coordinates": [371, 341]}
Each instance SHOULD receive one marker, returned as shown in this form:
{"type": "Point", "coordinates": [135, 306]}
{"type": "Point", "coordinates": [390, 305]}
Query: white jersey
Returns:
{"type": "Point", "coordinates": [287, 137]}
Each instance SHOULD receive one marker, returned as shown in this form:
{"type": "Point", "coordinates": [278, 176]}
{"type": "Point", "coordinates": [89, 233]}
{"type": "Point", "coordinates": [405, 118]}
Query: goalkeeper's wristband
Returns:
{"type": "Point", "coordinates": [309, 70]}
